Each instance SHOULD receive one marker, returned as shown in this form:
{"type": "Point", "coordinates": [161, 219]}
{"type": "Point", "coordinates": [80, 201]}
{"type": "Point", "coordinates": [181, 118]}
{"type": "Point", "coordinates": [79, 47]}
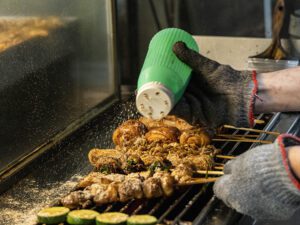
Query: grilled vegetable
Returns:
{"type": "Point", "coordinates": [53, 215]}
{"type": "Point", "coordinates": [111, 218]}
{"type": "Point", "coordinates": [82, 217]}
{"type": "Point", "coordinates": [141, 220]}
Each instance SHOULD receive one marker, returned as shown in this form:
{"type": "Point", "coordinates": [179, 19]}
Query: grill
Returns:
{"type": "Point", "coordinates": [54, 173]}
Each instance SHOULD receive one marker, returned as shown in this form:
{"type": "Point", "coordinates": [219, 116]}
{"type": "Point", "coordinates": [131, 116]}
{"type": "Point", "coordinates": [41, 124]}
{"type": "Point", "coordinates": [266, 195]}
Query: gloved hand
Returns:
{"type": "Point", "coordinates": [216, 94]}
{"type": "Point", "coordinates": [260, 183]}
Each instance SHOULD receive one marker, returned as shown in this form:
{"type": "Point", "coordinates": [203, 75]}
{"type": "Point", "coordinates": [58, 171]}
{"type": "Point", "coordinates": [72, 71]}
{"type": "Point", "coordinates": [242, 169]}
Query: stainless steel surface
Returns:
{"type": "Point", "coordinates": [49, 83]}
{"type": "Point", "coordinates": [234, 51]}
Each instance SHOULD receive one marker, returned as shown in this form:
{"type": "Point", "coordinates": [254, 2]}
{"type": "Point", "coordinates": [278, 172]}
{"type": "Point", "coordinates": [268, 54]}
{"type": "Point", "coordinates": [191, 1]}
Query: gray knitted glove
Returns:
{"type": "Point", "coordinates": [217, 94]}
{"type": "Point", "coordinates": [260, 183]}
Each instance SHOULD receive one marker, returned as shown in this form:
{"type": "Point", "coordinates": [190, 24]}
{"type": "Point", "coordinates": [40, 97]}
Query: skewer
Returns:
{"type": "Point", "coordinates": [218, 167]}
{"type": "Point", "coordinates": [239, 135]}
{"type": "Point", "coordinates": [210, 172]}
{"type": "Point", "coordinates": [252, 130]}
{"type": "Point", "coordinates": [199, 181]}
{"type": "Point", "coordinates": [243, 140]}
{"type": "Point", "coordinates": [225, 156]}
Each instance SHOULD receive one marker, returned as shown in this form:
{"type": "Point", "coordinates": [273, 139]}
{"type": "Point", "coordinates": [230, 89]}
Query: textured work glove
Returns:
{"type": "Point", "coordinates": [260, 183]}
{"type": "Point", "coordinates": [217, 94]}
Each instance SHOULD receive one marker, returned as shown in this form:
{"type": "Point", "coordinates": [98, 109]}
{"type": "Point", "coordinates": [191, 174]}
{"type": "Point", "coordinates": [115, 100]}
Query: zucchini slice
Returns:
{"type": "Point", "coordinates": [141, 220]}
{"type": "Point", "coordinates": [53, 215]}
{"type": "Point", "coordinates": [111, 218]}
{"type": "Point", "coordinates": [82, 217]}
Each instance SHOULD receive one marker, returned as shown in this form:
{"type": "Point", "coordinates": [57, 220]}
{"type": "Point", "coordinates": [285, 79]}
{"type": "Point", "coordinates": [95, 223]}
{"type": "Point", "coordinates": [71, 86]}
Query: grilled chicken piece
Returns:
{"type": "Point", "coordinates": [131, 188]}
{"type": "Point", "coordinates": [95, 189]}
{"type": "Point", "coordinates": [100, 178]}
{"type": "Point", "coordinates": [106, 159]}
{"type": "Point", "coordinates": [128, 132]}
{"type": "Point", "coordinates": [163, 134]}
{"type": "Point", "coordinates": [182, 173]}
{"type": "Point", "coordinates": [167, 182]}
{"type": "Point", "coordinates": [199, 137]}
{"type": "Point", "coordinates": [109, 195]}
{"type": "Point", "coordinates": [201, 162]}
{"type": "Point", "coordinates": [169, 121]}
{"type": "Point", "coordinates": [112, 161]}
{"type": "Point", "coordinates": [77, 199]}
{"type": "Point", "coordinates": [152, 188]}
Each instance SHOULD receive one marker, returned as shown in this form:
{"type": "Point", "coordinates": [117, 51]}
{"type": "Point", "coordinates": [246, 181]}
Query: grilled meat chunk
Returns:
{"type": "Point", "coordinates": [152, 188]}
{"type": "Point", "coordinates": [199, 137]}
{"type": "Point", "coordinates": [106, 160]}
{"type": "Point", "coordinates": [77, 199]}
{"type": "Point", "coordinates": [169, 121]}
{"type": "Point", "coordinates": [128, 132]}
{"type": "Point", "coordinates": [167, 182]}
{"type": "Point", "coordinates": [182, 173]}
{"type": "Point", "coordinates": [109, 195]}
{"type": "Point", "coordinates": [100, 178]}
{"type": "Point", "coordinates": [131, 188]}
{"type": "Point", "coordinates": [163, 134]}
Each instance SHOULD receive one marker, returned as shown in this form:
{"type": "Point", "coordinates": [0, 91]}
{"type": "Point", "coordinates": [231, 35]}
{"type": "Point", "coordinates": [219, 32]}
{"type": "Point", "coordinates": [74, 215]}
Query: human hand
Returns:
{"type": "Point", "coordinates": [260, 182]}
{"type": "Point", "coordinates": [217, 94]}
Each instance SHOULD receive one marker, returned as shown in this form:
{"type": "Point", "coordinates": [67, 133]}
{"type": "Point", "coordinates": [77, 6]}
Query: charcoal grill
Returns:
{"type": "Point", "coordinates": [55, 172]}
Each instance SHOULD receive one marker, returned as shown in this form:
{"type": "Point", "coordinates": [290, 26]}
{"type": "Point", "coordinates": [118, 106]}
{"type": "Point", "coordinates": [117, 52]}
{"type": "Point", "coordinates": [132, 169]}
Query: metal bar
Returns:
{"type": "Point", "coordinates": [268, 18]}
{"type": "Point", "coordinates": [295, 127]}
{"type": "Point", "coordinates": [190, 204]}
{"type": "Point", "coordinates": [176, 202]}
{"type": "Point", "coordinates": [157, 205]}
{"type": "Point", "coordinates": [210, 206]}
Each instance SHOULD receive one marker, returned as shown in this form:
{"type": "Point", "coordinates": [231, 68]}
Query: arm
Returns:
{"type": "Point", "coordinates": [294, 159]}
{"type": "Point", "coordinates": [279, 91]}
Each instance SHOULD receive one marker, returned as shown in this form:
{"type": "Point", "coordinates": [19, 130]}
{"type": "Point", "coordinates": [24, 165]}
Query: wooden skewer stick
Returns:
{"type": "Point", "coordinates": [198, 181]}
{"type": "Point", "coordinates": [218, 167]}
{"type": "Point", "coordinates": [239, 135]}
{"type": "Point", "coordinates": [252, 130]}
{"type": "Point", "coordinates": [257, 121]}
{"type": "Point", "coordinates": [243, 140]}
{"type": "Point", "coordinates": [225, 156]}
{"type": "Point", "coordinates": [210, 172]}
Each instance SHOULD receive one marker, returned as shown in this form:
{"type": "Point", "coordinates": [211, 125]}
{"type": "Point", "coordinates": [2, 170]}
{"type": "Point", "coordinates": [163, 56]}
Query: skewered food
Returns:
{"type": "Point", "coordinates": [163, 134]}
{"type": "Point", "coordinates": [183, 172]}
{"type": "Point", "coordinates": [141, 155]}
{"type": "Point", "coordinates": [100, 178]}
{"type": "Point", "coordinates": [128, 131]}
{"type": "Point", "coordinates": [199, 137]}
{"type": "Point", "coordinates": [109, 161]}
{"type": "Point", "coordinates": [109, 194]}
{"type": "Point", "coordinates": [134, 186]}
{"type": "Point", "coordinates": [169, 121]}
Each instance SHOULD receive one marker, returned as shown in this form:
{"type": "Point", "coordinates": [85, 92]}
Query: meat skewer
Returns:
{"type": "Point", "coordinates": [99, 189]}
{"type": "Point", "coordinates": [134, 160]}
{"type": "Point", "coordinates": [167, 130]}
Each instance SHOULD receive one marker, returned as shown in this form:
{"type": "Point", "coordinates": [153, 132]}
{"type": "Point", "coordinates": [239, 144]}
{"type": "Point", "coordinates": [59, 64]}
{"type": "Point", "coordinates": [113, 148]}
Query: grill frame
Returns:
{"type": "Point", "coordinates": [194, 205]}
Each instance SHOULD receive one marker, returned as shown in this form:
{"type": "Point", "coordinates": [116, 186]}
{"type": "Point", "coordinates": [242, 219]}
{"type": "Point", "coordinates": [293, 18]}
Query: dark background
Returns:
{"type": "Point", "coordinates": [138, 22]}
